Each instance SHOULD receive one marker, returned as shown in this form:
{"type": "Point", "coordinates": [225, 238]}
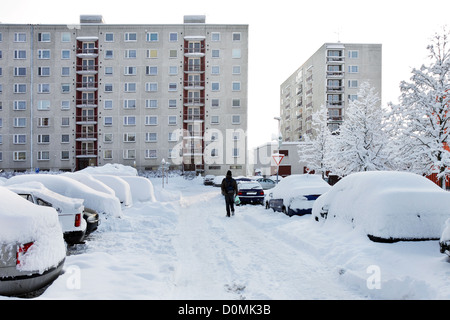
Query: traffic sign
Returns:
{"type": "Point", "coordinates": [277, 158]}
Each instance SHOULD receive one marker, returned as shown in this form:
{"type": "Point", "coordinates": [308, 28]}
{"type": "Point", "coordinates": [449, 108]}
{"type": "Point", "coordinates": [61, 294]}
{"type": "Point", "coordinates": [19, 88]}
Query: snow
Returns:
{"type": "Point", "coordinates": [23, 222]}
{"type": "Point", "coordinates": [99, 201]}
{"type": "Point", "coordinates": [182, 247]}
{"type": "Point", "coordinates": [388, 204]}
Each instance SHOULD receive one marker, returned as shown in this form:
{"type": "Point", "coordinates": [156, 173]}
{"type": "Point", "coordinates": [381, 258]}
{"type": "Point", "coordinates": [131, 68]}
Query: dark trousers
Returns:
{"type": "Point", "coordinates": [229, 202]}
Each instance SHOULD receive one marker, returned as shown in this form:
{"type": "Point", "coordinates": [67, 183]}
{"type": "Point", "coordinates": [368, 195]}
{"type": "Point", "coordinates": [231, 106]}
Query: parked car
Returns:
{"type": "Point", "coordinates": [70, 210]}
{"type": "Point", "coordinates": [250, 192]}
{"type": "Point", "coordinates": [387, 206]}
{"type": "Point", "coordinates": [242, 179]}
{"type": "Point", "coordinates": [103, 203]}
{"type": "Point", "coordinates": [266, 183]}
{"type": "Point", "coordinates": [208, 180]}
{"type": "Point", "coordinates": [295, 194]}
{"type": "Point", "coordinates": [444, 241]}
{"type": "Point", "coordinates": [32, 248]}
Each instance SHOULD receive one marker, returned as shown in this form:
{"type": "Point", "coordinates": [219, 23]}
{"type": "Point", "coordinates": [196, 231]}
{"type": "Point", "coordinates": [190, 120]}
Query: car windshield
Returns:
{"type": "Point", "coordinates": [250, 185]}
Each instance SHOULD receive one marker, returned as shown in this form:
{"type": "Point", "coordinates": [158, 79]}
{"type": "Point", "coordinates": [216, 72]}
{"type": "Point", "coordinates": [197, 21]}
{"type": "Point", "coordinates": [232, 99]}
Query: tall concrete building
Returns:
{"type": "Point", "coordinates": [330, 79]}
{"type": "Point", "coordinates": [73, 96]}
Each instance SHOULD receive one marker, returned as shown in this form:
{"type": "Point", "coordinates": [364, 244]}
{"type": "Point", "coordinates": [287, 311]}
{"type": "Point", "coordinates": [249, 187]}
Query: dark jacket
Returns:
{"type": "Point", "coordinates": [228, 181]}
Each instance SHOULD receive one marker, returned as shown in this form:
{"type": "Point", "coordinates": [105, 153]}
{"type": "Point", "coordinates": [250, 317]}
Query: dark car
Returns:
{"type": "Point", "coordinates": [250, 192]}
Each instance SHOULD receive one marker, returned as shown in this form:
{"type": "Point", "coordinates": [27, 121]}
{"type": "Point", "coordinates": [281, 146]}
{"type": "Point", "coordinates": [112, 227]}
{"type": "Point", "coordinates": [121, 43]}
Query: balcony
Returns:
{"type": "Point", "coordinates": [87, 86]}
{"type": "Point", "coordinates": [192, 152]}
{"type": "Point", "coordinates": [85, 53]}
{"type": "Point", "coordinates": [86, 120]}
{"type": "Point", "coordinates": [86, 153]}
{"type": "Point", "coordinates": [335, 104]}
{"type": "Point", "coordinates": [87, 70]}
{"type": "Point", "coordinates": [194, 102]}
{"type": "Point", "coordinates": [335, 89]}
{"type": "Point", "coordinates": [335, 59]}
{"type": "Point", "coordinates": [335, 74]}
{"type": "Point", "coordinates": [194, 52]}
{"type": "Point", "coordinates": [86, 136]}
{"type": "Point", "coordinates": [86, 103]}
{"type": "Point", "coordinates": [193, 118]}
{"type": "Point", "coordinates": [194, 85]}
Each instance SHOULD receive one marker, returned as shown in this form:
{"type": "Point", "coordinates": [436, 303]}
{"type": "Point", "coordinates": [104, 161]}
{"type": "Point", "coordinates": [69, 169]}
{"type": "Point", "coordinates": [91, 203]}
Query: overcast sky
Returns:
{"type": "Point", "coordinates": [282, 35]}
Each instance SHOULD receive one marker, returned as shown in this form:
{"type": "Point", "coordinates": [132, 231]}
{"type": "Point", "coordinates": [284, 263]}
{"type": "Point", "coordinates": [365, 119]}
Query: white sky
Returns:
{"type": "Point", "coordinates": [282, 35]}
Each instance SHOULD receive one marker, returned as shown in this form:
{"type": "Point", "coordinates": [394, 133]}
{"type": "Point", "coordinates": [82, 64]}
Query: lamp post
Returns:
{"type": "Point", "coordinates": [280, 138]}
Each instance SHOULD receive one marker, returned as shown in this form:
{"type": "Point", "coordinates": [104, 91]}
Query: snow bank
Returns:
{"type": "Point", "coordinates": [121, 188]}
{"type": "Point", "coordinates": [396, 205]}
{"type": "Point", "coordinates": [99, 201]}
{"type": "Point", "coordinates": [114, 169]}
{"type": "Point", "coordinates": [90, 181]}
{"type": "Point", "coordinates": [23, 222]}
{"type": "Point", "coordinates": [141, 188]}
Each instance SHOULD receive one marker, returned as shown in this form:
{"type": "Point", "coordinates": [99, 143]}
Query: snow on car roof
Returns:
{"type": "Point", "coordinates": [299, 184]}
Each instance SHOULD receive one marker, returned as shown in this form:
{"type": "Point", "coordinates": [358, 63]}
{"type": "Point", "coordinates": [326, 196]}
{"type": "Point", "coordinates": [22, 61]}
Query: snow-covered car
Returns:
{"type": "Point", "coordinates": [70, 210]}
{"type": "Point", "coordinates": [32, 248]}
{"type": "Point", "coordinates": [444, 241]}
{"type": "Point", "coordinates": [295, 194]}
{"type": "Point", "coordinates": [208, 180]}
{"type": "Point", "coordinates": [101, 202]}
{"type": "Point", "coordinates": [250, 192]}
{"type": "Point", "coordinates": [218, 181]}
{"type": "Point", "coordinates": [387, 206]}
{"type": "Point", "coordinates": [266, 183]}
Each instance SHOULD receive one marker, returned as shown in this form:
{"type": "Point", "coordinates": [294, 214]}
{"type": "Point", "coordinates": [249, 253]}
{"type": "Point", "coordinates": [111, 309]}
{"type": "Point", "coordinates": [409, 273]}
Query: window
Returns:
{"type": "Point", "coordinates": [65, 37]}
{"type": "Point", "coordinates": [215, 70]}
{"type": "Point", "coordinates": [129, 154]}
{"type": "Point", "coordinates": [151, 103]}
{"type": "Point", "coordinates": [129, 121]}
{"type": "Point", "coordinates": [130, 71]}
{"type": "Point", "coordinates": [44, 71]}
{"type": "Point", "coordinates": [19, 139]}
{"type": "Point", "coordinates": [173, 53]}
{"type": "Point", "coordinates": [129, 137]}
{"type": "Point", "coordinates": [44, 88]}
{"type": "Point", "coordinates": [236, 86]}
{"type": "Point", "coordinates": [65, 71]}
{"type": "Point", "coordinates": [151, 86]}
{"type": "Point", "coordinates": [44, 37]}
{"type": "Point", "coordinates": [43, 155]}
{"type": "Point", "coordinates": [65, 121]}
{"type": "Point", "coordinates": [20, 155]}
{"type": "Point", "coordinates": [109, 37]}
{"type": "Point", "coordinates": [353, 54]}
{"type": "Point", "coordinates": [173, 70]}
{"type": "Point", "coordinates": [107, 121]}
{"type": "Point", "coordinates": [353, 83]}
{"type": "Point", "coordinates": [65, 54]}
{"type": "Point", "coordinates": [130, 36]}
{"type": "Point", "coordinates": [109, 54]}
{"type": "Point", "coordinates": [107, 137]}
{"type": "Point", "coordinates": [65, 155]}
{"type": "Point", "coordinates": [236, 36]}
{"type": "Point", "coordinates": [130, 54]}
{"type": "Point", "coordinates": [130, 87]}
{"type": "Point", "coordinates": [43, 105]}
{"type": "Point", "coordinates": [235, 119]}
{"type": "Point", "coordinates": [236, 53]}
{"type": "Point", "coordinates": [107, 154]}
{"type": "Point", "coordinates": [43, 122]}
{"type": "Point", "coordinates": [215, 86]}
{"type": "Point", "coordinates": [236, 103]}
{"type": "Point", "coordinates": [151, 137]}
{"type": "Point", "coordinates": [108, 71]}
{"type": "Point", "coordinates": [43, 54]}
{"type": "Point", "coordinates": [150, 154]}
{"type": "Point", "coordinates": [20, 88]}
{"type": "Point", "coordinates": [108, 87]}
{"type": "Point", "coordinates": [173, 86]}
{"type": "Point", "coordinates": [65, 105]}
{"type": "Point", "coordinates": [215, 36]}
{"type": "Point", "coordinates": [151, 120]}
{"type": "Point", "coordinates": [20, 71]}
{"type": "Point", "coordinates": [20, 122]}
{"type": "Point", "coordinates": [152, 53]}
{"type": "Point", "coordinates": [353, 69]}
{"type": "Point", "coordinates": [215, 53]}
{"type": "Point", "coordinates": [152, 36]}
{"type": "Point", "coordinates": [236, 70]}
{"type": "Point", "coordinates": [172, 103]}
{"type": "Point", "coordinates": [235, 152]}
{"type": "Point", "coordinates": [108, 104]}
{"type": "Point", "coordinates": [20, 105]}
{"type": "Point", "coordinates": [151, 70]}
{"type": "Point", "coordinates": [129, 104]}
{"type": "Point", "coordinates": [214, 119]}
{"type": "Point", "coordinates": [20, 54]}
{"type": "Point", "coordinates": [172, 120]}
{"type": "Point", "coordinates": [43, 138]}
{"type": "Point", "coordinates": [20, 37]}
{"type": "Point", "coordinates": [215, 103]}
{"type": "Point", "coordinates": [173, 36]}
{"type": "Point", "coordinates": [65, 87]}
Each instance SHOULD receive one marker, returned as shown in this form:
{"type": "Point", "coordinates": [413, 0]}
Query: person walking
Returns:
{"type": "Point", "coordinates": [229, 190]}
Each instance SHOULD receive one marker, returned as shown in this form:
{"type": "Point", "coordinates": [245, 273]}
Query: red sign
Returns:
{"type": "Point", "coordinates": [278, 158]}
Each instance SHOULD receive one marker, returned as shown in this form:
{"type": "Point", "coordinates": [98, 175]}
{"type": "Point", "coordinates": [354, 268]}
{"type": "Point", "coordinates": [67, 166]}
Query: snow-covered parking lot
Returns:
{"type": "Point", "coordinates": [182, 246]}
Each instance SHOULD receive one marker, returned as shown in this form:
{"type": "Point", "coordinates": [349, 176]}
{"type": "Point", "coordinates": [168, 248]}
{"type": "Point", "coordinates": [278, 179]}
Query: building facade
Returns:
{"type": "Point", "coordinates": [330, 79]}
{"type": "Point", "coordinates": [73, 96]}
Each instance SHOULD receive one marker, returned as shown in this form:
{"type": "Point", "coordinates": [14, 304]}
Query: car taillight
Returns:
{"type": "Point", "coordinates": [261, 193]}
{"type": "Point", "coordinates": [77, 219]}
{"type": "Point", "coordinates": [21, 250]}
{"type": "Point", "coordinates": [240, 193]}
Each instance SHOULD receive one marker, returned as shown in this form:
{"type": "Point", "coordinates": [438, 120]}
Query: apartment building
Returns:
{"type": "Point", "coordinates": [330, 79]}
{"type": "Point", "coordinates": [73, 96]}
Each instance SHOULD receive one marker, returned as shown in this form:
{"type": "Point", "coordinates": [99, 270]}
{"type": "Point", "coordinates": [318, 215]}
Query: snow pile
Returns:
{"type": "Point", "coordinates": [113, 169]}
{"type": "Point", "coordinates": [141, 188]}
{"type": "Point", "coordinates": [23, 222]}
{"type": "Point", "coordinates": [90, 181]}
{"type": "Point", "coordinates": [99, 201]}
{"type": "Point", "coordinates": [297, 185]}
{"type": "Point", "coordinates": [121, 188]}
{"type": "Point", "coordinates": [387, 204]}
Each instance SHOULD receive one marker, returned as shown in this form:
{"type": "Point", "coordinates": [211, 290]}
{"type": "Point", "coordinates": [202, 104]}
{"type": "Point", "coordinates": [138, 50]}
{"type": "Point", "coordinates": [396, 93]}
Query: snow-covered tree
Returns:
{"type": "Point", "coordinates": [361, 142]}
{"type": "Point", "coordinates": [313, 151]}
{"type": "Point", "coordinates": [422, 115]}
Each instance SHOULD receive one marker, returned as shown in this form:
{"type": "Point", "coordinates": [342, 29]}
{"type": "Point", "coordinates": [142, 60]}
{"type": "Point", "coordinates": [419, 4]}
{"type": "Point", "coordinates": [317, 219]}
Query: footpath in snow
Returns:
{"type": "Point", "coordinates": [182, 247]}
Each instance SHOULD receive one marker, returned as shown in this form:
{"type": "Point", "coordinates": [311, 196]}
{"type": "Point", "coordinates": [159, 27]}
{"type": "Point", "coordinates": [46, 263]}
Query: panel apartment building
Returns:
{"type": "Point", "coordinates": [330, 79]}
{"type": "Point", "coordinates": [73, 96]}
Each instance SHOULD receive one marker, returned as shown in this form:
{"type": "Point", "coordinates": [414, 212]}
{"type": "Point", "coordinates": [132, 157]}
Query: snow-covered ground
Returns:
{"type": "Point", "coordinates": [182, 246]}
